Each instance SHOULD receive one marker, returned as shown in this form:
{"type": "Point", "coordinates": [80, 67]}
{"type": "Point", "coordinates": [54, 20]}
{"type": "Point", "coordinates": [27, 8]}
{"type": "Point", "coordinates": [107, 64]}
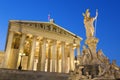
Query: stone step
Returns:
{"type": "Point", "coordinates": [11, 74]}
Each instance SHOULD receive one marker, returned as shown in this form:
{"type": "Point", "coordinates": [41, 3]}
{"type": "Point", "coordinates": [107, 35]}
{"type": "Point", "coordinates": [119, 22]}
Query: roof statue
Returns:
{"type": "Point", "coordinates": [88, 22]}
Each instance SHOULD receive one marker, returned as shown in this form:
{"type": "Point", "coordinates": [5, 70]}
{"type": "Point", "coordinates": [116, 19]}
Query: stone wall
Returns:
{"type": "Point", "coordinates": [6, 74]}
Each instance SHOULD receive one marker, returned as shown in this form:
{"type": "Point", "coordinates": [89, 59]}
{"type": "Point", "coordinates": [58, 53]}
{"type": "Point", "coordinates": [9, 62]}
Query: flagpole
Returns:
{"type": "Point", "coordinates": [48, 17]}
{"type": "Point", "coordinates": [96, 22]}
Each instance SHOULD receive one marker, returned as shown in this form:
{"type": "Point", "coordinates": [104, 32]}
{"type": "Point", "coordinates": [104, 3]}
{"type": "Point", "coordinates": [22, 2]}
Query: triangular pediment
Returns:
{"type": "Point", "coordinates": [46, 26]}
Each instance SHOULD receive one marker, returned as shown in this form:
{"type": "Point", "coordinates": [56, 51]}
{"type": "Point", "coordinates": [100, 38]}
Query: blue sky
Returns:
{"type": "Point", "coordinates": [68, 14]}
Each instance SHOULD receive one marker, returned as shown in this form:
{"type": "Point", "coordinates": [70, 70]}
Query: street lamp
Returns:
{"type": "Point", "coordinates": [20, 66]}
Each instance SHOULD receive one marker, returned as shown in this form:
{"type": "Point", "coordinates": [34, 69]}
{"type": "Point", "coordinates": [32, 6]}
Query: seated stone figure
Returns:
{"type": "Point", "coordinates": [86, 56]}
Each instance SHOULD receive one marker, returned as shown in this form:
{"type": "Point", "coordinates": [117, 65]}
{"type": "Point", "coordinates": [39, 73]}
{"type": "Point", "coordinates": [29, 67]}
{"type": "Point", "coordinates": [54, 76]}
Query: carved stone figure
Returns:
{"type": "Point", "coordinates": [88, 22]}
{"type": "Point", "coordinates": [86, 56]}
{"type": "Point", "coordinates": [107, 68]}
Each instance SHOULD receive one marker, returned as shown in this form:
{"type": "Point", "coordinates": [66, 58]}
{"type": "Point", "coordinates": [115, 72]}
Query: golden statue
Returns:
{"type": "Point", "coordinates": [89, 23]}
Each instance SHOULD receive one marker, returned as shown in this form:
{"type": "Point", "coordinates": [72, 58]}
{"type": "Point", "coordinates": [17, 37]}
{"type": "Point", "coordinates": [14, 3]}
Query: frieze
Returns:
{"type": "Point", "coordinates": [43, 26]}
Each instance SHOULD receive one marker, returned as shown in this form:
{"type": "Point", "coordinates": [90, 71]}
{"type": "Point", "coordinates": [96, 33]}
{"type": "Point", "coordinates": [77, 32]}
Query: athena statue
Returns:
{"type": "Point", "coordinates": [89, 23]}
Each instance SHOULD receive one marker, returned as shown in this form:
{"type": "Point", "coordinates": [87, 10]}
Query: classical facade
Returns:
{"type": "Point", "coordinates": [41, 46]}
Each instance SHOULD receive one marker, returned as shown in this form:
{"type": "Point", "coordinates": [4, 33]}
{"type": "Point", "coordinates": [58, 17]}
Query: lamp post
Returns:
{"type": "Point", "coordinates": [20, 66]}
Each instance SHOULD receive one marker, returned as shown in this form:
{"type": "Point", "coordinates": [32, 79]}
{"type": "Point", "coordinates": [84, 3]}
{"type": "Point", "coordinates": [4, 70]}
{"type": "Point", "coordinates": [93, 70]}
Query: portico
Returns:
{"type": "Point", "coordinates": [47, 46]}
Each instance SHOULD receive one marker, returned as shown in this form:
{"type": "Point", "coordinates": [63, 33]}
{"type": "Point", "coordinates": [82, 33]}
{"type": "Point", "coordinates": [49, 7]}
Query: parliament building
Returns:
{"type": "Point", "coordinates": [40, 46]}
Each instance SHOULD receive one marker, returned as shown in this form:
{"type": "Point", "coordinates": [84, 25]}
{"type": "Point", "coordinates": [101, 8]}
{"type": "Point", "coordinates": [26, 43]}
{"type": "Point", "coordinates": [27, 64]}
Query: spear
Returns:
{"type": "Point", "coordinates": [96, 21]}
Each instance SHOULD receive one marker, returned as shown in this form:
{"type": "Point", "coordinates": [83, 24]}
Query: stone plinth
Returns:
{"type": "Point", "coordinates": [92, 43]}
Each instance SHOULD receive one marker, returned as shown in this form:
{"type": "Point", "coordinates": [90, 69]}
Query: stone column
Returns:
{"type": "Point", "coordinates": [21, 49]}
{"type": "Point", "coordinates": [63, 57]}
{"type": "Point", "coordinates": [72, 58]}
{"type": "Point", "coordinates": [58, 58]}
{"type": "Point", "coordinates": [51, 64]}
{"type": "Point", "coordinates": [49, 56]}
{"type": "Point", "coordinates": [66, 59]}
{"type": "Point", "coordinates": [39, 56]}
{"type": "Point", "coordinates": [8, 49]}
{"type": "Point", "coordinates": [78, 50]}
{"type": "Point", "coordinates": [54, 51]}
{"type": "Point", "coordinates": [31, 56]}
{"type": "Point", "coordinates": [43, 58]}
{"type": "Point", "coordinates": [68, 63]}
